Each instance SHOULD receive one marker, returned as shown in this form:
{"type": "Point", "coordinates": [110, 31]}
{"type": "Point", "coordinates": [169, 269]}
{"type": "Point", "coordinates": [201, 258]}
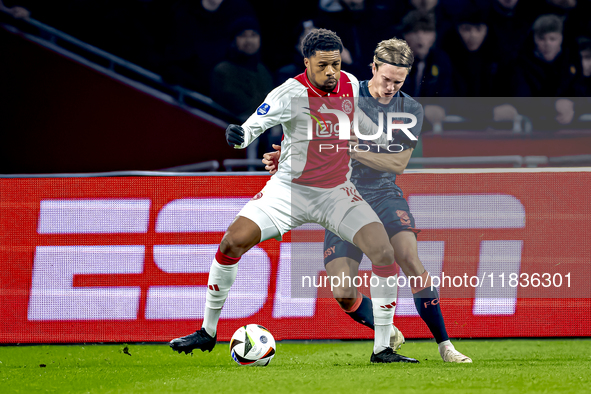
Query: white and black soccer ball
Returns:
{"type": "Point", "coordinates": [252, 345]}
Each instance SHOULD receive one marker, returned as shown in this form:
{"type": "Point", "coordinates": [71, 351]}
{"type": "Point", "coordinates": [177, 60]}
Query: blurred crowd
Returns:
{"type": "Point", "coordinates": [236, 51]}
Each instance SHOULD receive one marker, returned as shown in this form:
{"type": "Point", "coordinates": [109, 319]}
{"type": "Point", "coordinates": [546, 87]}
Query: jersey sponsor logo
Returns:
{"type": "Point", "coordinates": [326, 129]}
{"type": "Point", "coordinates": [263, 109]}
{"type": "Point", "coordinates": [323, 127]}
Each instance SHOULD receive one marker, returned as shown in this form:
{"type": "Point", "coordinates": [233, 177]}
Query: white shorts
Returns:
{"type": "Point", "coordinates": [281, 207]}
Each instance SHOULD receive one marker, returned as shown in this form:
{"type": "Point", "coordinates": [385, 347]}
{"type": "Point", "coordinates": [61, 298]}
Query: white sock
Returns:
{"type": "Point", "coordinates": [221, 278]}
{"type": "Point", "coordinates": [383, 299]}
{"type": "Point", "coordinates": [381, 338]}
{"type": "Point", "coordinates": [210, 320]}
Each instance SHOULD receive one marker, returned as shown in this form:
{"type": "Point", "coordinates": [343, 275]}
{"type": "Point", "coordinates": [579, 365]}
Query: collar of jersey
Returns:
{"type": "Point", "coordinates": [320, 93]}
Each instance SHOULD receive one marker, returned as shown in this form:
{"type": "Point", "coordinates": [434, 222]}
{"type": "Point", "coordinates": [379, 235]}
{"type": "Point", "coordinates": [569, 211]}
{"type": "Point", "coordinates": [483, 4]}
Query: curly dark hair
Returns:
{"type": "Point", "coordinates": [321, 40]}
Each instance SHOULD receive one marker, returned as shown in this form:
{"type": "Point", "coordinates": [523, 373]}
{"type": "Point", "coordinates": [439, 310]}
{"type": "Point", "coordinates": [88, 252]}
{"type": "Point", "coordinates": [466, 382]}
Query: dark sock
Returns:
{"type": "Point", "coordinates": [364, 314]}
{"type": "Point", "coordinates": [427, 303]}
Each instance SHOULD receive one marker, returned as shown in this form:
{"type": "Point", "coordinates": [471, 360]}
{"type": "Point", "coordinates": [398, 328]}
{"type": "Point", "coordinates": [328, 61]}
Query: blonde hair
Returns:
{"type": "Point", "coordinates": [393, 51]}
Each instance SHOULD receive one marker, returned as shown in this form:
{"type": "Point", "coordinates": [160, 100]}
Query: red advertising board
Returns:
{"type": "Point", "coordinates": [126, 258]}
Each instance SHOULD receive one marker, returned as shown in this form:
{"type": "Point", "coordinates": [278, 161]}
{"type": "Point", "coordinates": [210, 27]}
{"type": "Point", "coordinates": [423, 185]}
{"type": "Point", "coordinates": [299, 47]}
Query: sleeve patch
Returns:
{"type": "Point", "coordinates": [263, 109]}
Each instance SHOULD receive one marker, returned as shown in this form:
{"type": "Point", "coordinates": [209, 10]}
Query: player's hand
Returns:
{"type": "Point", "coordinates": [271, 159]}
{"type": "Point", "coordinates": [234, 135]}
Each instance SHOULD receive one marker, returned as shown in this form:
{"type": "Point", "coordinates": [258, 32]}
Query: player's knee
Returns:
{"type": "Point", "coordinates": [382, 255]}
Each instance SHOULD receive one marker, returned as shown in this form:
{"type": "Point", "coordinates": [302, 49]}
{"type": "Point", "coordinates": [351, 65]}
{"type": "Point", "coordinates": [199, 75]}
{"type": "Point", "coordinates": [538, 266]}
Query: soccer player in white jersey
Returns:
{"type": "Point", "coordinates": [311, 186]}
{"type": "Point", "coordinates": [374, 176]}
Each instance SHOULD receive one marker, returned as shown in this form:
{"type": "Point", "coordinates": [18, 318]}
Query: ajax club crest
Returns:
{"type": "Point", "coordinates": [347, 106]}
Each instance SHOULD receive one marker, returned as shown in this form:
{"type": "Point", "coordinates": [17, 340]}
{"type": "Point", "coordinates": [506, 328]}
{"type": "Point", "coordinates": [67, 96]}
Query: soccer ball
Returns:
{"type": "Point", "coordinates": [252, 345]}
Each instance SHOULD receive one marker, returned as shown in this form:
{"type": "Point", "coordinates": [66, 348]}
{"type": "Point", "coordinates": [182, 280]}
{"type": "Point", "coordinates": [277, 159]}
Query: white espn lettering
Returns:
{"type": "Point", "coordinates": [53, 296]}
{"type": "Point", "coordinates": [292, 300]}
{"type": "Point", "coordinates": [246, 297]}
{"type": "Point", "coordinates": [457, 211]}
{"type": "Point", "coordinates": [464, 211]}
{"type": "Point", "coordinates": [468, 211]}
{"type": "Point", "coordinates": [497, 257]}
{"type": "Point", "coordinates": [431, 255]}
{"type": "Point", "coordinates": [118, 215]}
{"type": "Point", "coordinates": [194, 215]}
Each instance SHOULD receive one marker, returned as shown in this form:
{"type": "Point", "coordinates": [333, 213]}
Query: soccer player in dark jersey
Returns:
{"type": "Point", "coordinates": [374, 175]}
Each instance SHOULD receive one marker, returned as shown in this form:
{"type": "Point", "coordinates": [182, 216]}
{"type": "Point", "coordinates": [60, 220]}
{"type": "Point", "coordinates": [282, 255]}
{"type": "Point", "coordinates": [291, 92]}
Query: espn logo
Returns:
{"type": "Point", "coordinates": [54, 295]}
{"type": "Point", "coordinates": [79, 245]}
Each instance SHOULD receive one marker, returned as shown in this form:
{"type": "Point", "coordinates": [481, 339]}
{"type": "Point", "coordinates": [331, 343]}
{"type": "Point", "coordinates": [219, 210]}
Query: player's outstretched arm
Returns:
{"type": "Point", "coordinates": [387, 162]}
{"type": "Point", "coordinates": [273, 111]}
{"type": "Point", "coordinates": [271, 159]}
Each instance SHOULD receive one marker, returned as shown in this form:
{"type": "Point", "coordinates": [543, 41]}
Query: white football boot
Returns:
{"type": "Point", "coordinates": [449, 354]}
{"type": "Point", "coordinates": [396, 338]}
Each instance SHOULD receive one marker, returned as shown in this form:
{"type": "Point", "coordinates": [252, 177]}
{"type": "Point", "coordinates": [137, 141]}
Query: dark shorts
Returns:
{"type": "Point", "coordinates": [394, 214]}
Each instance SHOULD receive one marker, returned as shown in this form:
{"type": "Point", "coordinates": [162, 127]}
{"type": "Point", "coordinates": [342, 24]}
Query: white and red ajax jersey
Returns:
{"type": "Point", "coordinates": [311, 152]}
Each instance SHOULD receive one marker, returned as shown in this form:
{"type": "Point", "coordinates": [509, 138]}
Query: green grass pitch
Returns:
{"type": "Point", "coordinates": [541, 366]}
